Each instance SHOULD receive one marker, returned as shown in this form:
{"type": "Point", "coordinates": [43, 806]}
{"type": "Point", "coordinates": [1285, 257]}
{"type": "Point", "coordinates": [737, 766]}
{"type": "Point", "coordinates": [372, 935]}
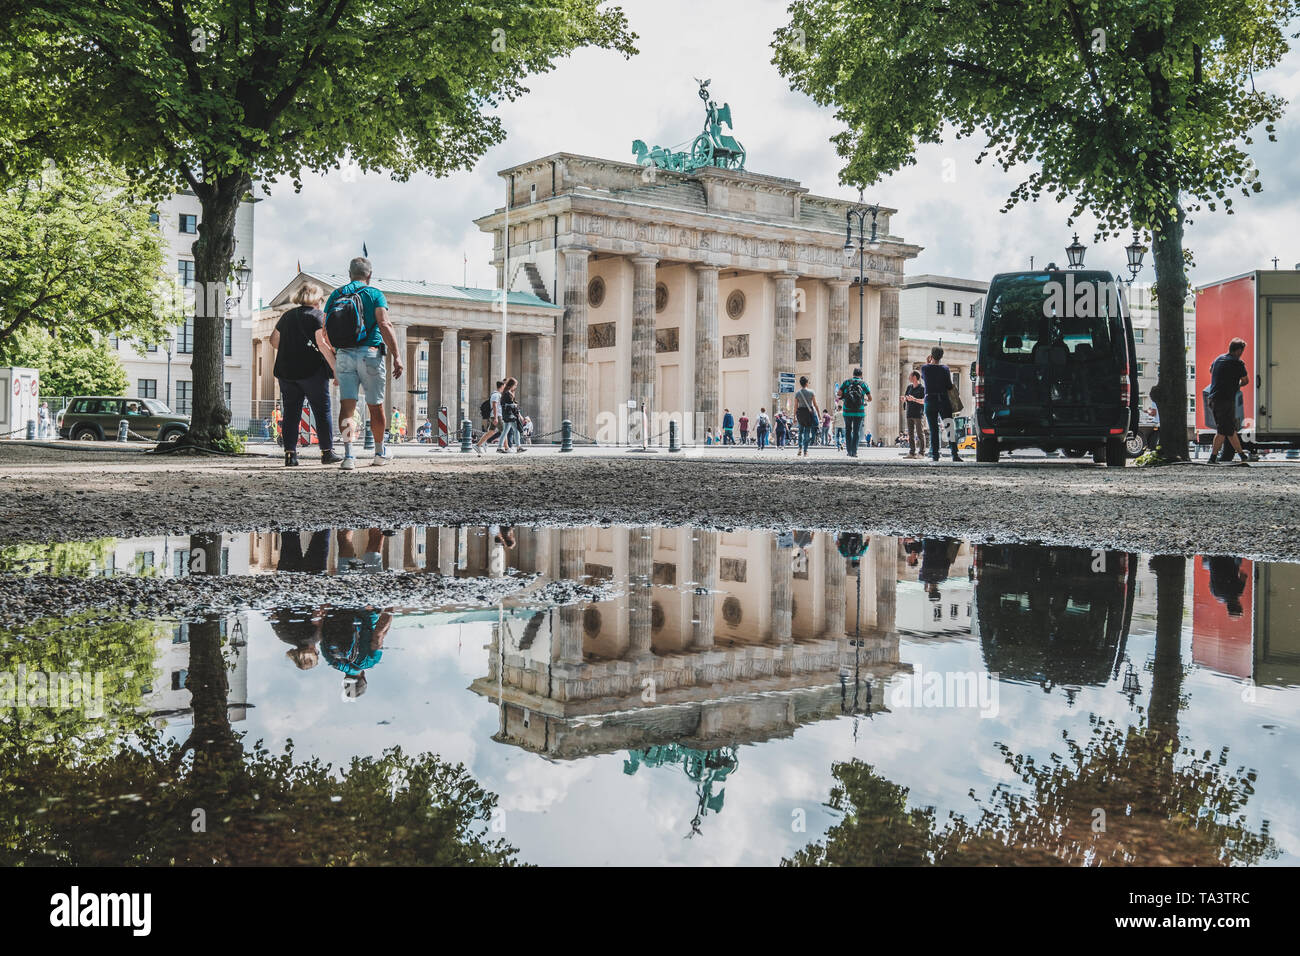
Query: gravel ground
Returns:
{"type": "Point", "coordinates": [57, 494]}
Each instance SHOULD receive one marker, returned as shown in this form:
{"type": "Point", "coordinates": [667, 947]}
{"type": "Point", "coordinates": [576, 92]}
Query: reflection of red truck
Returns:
{"type": "Point", "coordinates": [1263, 308]}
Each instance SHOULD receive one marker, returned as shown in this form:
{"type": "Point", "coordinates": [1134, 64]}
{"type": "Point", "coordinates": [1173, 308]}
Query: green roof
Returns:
{"type": "Point", "coordinates": [436, 290]}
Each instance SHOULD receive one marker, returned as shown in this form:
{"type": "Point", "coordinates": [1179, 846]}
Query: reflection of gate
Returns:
{"type": "Point", "coordinates": [706, 768]}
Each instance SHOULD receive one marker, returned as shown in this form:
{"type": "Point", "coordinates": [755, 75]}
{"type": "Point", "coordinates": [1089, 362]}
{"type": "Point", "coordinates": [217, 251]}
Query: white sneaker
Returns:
{"type": "Point", "coordinates": [478, 450]}
{"type": "Point", "coordinates": [348, 463]}
{"type": "Point", "coordinates": [382, 459]}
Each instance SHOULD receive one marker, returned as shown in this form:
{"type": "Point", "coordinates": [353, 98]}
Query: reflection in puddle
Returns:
{"type": "Point", "coordinates": [804, 697]}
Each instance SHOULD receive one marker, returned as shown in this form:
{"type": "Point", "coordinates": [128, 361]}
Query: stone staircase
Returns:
{"type": "Point", "coordinates": [535, 280]}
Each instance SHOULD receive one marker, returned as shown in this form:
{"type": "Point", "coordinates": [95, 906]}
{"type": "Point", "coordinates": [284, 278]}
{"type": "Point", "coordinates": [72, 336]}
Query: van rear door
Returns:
{"type": "Point", "coordinates": [1016, 394]}
{"type": "Point", "coordinates": [1086, 354]}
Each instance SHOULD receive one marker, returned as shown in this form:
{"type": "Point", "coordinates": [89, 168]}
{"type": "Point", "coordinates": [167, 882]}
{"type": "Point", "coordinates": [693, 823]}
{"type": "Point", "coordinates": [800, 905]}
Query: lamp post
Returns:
{"type": "Point", "coordinates": [861, 245]}
{"type": "Point", "coordinates": [1135, 251]}
{"type": "Point", "coordinates": [1075, 251]}
{"type": "Point", "coordinates": [168, 342]}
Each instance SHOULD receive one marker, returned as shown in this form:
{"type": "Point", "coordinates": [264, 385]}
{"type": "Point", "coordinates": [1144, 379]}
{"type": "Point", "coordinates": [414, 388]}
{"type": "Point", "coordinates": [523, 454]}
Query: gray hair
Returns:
{"type": "Point", "coordinates": [359, 268]}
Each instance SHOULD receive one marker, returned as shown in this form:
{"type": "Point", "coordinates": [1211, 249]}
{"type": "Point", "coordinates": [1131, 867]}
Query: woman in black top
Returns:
{"type": "Point", "coordinates": [510, 417]}
{"type": "Point", "coordinates": [937, 380]}
{"type": "Point", "coordinates": [304, 365]}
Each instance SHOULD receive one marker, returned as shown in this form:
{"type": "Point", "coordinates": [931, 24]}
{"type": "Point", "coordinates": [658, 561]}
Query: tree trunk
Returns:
{"type": "Point", "coordinates": [214, 254]}
{"type": "Point", "coordinates": [1167, 673]}
{"type": "Point", "coordinates": [1170, 392]}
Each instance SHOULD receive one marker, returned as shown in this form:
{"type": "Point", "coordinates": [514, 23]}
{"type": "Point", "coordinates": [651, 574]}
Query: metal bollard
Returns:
{"type": "Point", "coordinates": [122, 430]}
{"type": "Point", "coordinates": [566, 435]}
{"type": "Point", "coordinates": [466, 436]}
{"type": "Point", "coordinates": [370, 438]}
{"type": "Point", "coordinates": [674, 443]}
{"type": "Point", "coordinates": [31, 429]}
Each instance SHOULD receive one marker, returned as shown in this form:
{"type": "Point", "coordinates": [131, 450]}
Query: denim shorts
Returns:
{"type": "Point", "coordinates": [359, 369]}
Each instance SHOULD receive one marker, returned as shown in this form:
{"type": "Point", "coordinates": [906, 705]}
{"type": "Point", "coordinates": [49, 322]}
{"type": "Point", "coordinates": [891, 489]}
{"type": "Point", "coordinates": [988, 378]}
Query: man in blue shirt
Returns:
{"type": "Point", "coordinates": [728, 427]}
{"type": "Point", "coordinates": [854, 394]}
{"type": "Point", "coordinates": [1227, 376]}
{"type": "Point", "coordinates": [363, 366]}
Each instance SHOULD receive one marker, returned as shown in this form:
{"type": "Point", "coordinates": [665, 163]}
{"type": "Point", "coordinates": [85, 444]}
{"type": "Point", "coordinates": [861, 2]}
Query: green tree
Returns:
{"type": "Point", "coordinates": [79, 259]}
{"type": "Point", "coordinates": [1137, 112]}
{"type": "Point", "coordinates": [79, 369]}
{"type": "Point", "coordinates": [212, 96]}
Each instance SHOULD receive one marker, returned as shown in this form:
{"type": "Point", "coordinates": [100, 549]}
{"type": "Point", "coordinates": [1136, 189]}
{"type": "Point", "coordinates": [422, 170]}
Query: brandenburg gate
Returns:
{"type": "Point", "coordinates": [689, 284]}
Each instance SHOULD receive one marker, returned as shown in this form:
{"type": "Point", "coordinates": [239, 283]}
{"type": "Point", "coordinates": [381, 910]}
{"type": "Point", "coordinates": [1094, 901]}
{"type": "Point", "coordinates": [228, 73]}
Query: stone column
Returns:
{"type": "Point", "coordinates": [573, 341]}
{"type": "Point", "coordinates": [640, 571]}
{"type": "Point", "coordinates": [449, 377]}
{"type": "Point", "coordinates": [568, 618]}
{"type": "Point", "coordinates": [544, 419]}
{"type": "Point", "coordinates": [835, 577]}
{"type": "Point", "coordinates": [447, 551]}
{"type": "Point", "coordinates": [837, 340]}
{"type": "Point", "coordinates": [707, 353]}
{"type": "Point", "coordinates": [782, 569]}
{"type": "Point", "coordinates": [783, 329]}
{"type": "Point", "coordinates": [412, 375]}
{"type": "Point", "coordinates": [535, 379]}
{"type": "Point", "coordinates": [397, 387]}
{"type": "Point", "coordinates": [886, 570]}
{"type": "Point", "coordinates": [498, 366]}
{"type": "Point", "coordinates": [704, 572]}
{"type": "Point", "coordinates": [643, 340]}
{"type": "Point", "coordinates": [480, 380]}
{"type": "Point", "coordinates": [885, 388]}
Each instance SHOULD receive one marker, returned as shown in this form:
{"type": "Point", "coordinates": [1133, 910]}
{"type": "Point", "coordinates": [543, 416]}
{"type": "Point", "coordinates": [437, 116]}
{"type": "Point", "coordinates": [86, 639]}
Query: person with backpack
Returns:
{"type": "Point", "coordinates": [361, 334]}
{"type": "Point", "coordinates": [807, 414]}
{"type": "Point", "coordinates": [728, 427]}
{"type": "Point", "coordinates": [304, 367]}
{"type": "Point", "coordinates": [854, 395]}
{"type": "Point", "coordinates": [510, 417]}
{"type": "Point", "coordinates": [490, 411]}
{"type": "Point", "coordinates": [937, 380]}
{"type": "Point", "coordinates": [762, 428]}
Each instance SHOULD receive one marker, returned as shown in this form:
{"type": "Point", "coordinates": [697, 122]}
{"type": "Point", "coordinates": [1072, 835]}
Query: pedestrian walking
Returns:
{"type": "Point", "coordinates": [744, 428]}
{"type": "Point", "coordinates": [837, 422]}
{"type": "Point", "coordinates": [937, 380]}
{"type": "Point", "coordinates": [808, 415]}
{"type": "Point", "coordinates": [826, 426]}
{"type": "Point", "coordinates": [780, 429]}
{"type": "Point", "coordinates": [490, 411]}
{"type": "Point", "coordinates": [914, 405]}
{"type": "Point", "coordinates": [855, 395]}
{"type": "Point", "coordinates": [510, 417]}
{"type": "Point", "coordinates": [1227, 375]}
{"type": "Point", "coordinates": [304, 367]}
{"type": "Point", "coordinates": [358, 328]}
{"type": "Point", "coordinates": [728, 427]}
{"type": "Point", "coordinates": [764, 428]}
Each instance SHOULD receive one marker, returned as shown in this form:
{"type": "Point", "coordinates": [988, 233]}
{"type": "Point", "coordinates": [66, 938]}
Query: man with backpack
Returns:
{"type": "Point", "coordinates": [359, 330]}
{"type": "Point", "coordinates": [854, 395]}
{"type": "Point", "coordinates": [490, 410]}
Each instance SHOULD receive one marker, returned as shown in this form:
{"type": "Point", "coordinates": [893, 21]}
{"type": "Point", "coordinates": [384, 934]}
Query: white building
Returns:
{"type": "Point", "coordinates": [1146, 343]}
{"type": "Point", "coordinates": [147, 367]}
{"type": "Point", "coordinates": [941, 303]}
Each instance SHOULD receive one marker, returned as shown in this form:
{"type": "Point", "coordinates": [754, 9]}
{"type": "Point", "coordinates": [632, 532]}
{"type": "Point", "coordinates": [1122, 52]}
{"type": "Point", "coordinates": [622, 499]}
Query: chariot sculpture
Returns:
{"type": "Point", "coordinates": [712, 147]}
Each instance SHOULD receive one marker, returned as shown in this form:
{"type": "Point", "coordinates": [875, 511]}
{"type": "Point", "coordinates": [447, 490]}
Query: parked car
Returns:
{"type": "Point", "coordinates": [96, 417]}
{"type": "Point", "coordinates": [1056, 367]}
{"type": "Point", "coordinates": [968, 443]}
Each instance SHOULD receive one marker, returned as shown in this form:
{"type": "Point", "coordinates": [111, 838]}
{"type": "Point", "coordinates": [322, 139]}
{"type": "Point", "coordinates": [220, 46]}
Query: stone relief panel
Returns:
{"type": "Point", "coordinates": [601, 335]}
{"type": "Point", "coordinates": [803, 350]}
{"type": "Point", "coordinates": [667, 340]}
{"type": "Point", "coordinates": [733, 569]}
{"type": "Point", "coordinates": [735, 346]}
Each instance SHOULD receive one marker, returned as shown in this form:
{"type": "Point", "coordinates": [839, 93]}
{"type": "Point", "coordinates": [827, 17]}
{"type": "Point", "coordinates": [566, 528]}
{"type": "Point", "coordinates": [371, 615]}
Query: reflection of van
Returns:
{"type": "Point", "coordinates": [1055, 367]}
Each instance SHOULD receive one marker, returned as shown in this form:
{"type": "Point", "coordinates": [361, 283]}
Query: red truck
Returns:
{"type": "Point", "coordinates": [1263, 308]}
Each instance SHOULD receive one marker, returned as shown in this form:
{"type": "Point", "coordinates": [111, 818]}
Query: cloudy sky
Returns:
{"type": "Point", "coordinates": [596, 103]}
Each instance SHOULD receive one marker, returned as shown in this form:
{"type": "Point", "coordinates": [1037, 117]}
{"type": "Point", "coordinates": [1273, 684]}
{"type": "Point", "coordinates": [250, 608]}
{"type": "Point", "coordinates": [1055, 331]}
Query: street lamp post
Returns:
{"type": "Point", "coordinates": [863, 243]}
{"type": "Point", "coordinates": [167, 343]}
{"type": "Point", "coordinates": [1135, 251]}
{"type": "Point", "coordinates": [1075, 251]}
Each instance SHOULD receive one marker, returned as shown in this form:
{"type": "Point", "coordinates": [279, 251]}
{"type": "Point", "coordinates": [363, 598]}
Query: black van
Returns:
{"type": "Point", "coordinates": [1056, 367]}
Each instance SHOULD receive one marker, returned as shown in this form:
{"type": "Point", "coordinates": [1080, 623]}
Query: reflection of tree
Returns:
{"type": "Point", "coordinates": [56, 558]}
{"type": "Point", "coordinates": [143, 803]}
{"type": "Point", "coordinates": [1162, 803]}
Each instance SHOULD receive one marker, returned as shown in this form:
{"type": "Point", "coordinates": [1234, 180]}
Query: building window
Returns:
{"type": "Point", "coordinates": [183, 392]}
{"type": "Point", "coordinates": [1139, 335]}
{"type": "Point", "coordinates": [189, 224]}
{"type": "Point", "coordinates": [975, 309]}
{"type": "Point", "coordinates": [956, 309]}
{"type": "Point", "coordinates": [1191, 405]}
{"type": "Point", "coordinates": [185, 269]}
{"type": "Point", "coordinates": [938, 307]}
{"type": "Point", "coordinates": [1142, 369]}
{"type": "Point", "coordinates": [230, 337]}
{"type": "Point", "coordinates": [146, 388]}
{"type": "Point", "coordinates": [153, 218]}
{"type": "Point", "coordinates": [143, 561]}
{"type": "Point", "coordinates": [185, 337]}
{"type": "Point", "coordinates": [151, 348]}
{"type": "Point", "coordinates": [227, 387]}
{"type": "Point", "coordinates": [1191, 372]}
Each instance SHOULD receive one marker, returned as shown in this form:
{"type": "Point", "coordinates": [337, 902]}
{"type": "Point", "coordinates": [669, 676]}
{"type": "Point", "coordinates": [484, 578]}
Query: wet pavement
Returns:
{"type": "Point", "coordinates": [650, 696]}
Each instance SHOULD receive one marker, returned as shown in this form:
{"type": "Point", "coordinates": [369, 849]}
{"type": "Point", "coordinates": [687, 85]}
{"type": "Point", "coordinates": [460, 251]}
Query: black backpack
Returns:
{"type": "Point", "coordinates": [485, 410]}
{"type": "Point", "coordinates": [852, 395]}
{"type": "Point", "coordinates": [345, 323]}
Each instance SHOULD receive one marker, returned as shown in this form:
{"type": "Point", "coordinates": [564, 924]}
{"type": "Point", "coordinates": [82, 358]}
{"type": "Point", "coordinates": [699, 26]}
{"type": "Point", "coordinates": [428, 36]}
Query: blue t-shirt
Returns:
{"type": "Point", "coordinates": [854, 412]}
{"type": "Point", "coordinates": [372, 299]}
{"type": "Point", "coordinates": [1226, 374]}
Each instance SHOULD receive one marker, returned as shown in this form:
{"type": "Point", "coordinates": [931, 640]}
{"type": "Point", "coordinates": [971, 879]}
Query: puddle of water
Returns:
{"type": "Point", "coordinates": [739, 697]}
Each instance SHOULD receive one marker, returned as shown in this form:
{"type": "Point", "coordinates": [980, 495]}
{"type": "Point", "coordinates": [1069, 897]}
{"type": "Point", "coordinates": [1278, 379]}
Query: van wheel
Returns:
{"type": "Point", "coordinates": [1115, 454]}
{"type": "Point", "coordinates": [86, 433]}
{"type": "Point", "coordinates": [986, 450]}
{"type": "Point", "coordinates": [1099, 454]}
{"type": "Point", "coordinates": [1075, 452]}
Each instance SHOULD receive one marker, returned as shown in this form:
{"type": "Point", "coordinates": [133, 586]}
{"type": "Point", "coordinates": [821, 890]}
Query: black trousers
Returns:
{"type": "Point", "coordinates": [316, 390]}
